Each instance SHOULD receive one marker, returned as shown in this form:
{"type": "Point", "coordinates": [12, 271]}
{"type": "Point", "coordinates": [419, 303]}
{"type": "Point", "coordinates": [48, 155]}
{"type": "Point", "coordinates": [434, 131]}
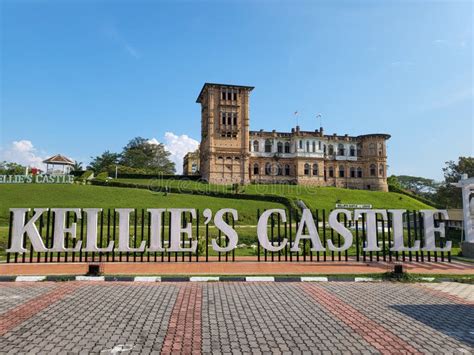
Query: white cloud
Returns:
{"type": "Point", "coordinates": [178, 146]}
{"type": "Point", "coordinates": [22, 152]}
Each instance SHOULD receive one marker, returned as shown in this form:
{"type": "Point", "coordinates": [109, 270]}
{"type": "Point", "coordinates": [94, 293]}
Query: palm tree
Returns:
{"type": "Point", "coordinates": [77, 166]}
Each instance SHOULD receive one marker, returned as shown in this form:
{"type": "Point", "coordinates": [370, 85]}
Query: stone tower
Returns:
{"type": "Point", "coordinates": [224, 157]}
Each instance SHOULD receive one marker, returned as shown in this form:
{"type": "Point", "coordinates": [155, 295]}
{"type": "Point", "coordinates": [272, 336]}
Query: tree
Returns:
{"type": "Point", "coordinates": [448, 195]}
{"type": "Point", "coordinates": [77, 166]}
{"type": "Point", "coordinates": [104, 162]}
{"type": "Point", "coordinates": [418, 185]}
{"type": "Point", "coordinates": [141, 154]}
{"type": "Point", "coordinates": [8, 168]}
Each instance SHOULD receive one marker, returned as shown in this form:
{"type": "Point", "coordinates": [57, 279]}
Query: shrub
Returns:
{"type": "Point", "coordinates": [102, 176]}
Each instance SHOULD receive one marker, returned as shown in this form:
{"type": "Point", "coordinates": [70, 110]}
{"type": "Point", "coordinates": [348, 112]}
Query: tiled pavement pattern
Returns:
{"type": "Point", "coordinates": [232, 317]}
{"type": "Point", "coordinates": [463, 291]}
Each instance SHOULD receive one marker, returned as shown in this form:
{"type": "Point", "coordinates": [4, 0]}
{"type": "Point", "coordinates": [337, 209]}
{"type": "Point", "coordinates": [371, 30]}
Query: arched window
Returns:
{"type": "Point", "coordinates": [319, 145]}
{"type": "Point", "coordinates": [268, 146]}
{"type": "Point", "coordinates": [380, 149]}
{"type": "Point", "coordinates": [330, 149]}
{"type": "Point", "coordinates": [352, 151]}
{"type": "Point", "coordinates": [381, 170]}
{"type": "Point", "coordinates": [373, 170]}
{"type": "Point", "coordinates": [340, 149]}
{"type": "Point", "coordinates": [359, 172]}
{"type": "Point", "coordinates": [287, 169]}
{"type": "Point", "coordinates": [372, 149]}
{"type": "Point", "coordinates": [287, 147]}
{"type": "Point", "coordinates": [255, 146]}
{"type": "Point", "coordinates": [353, 172]}
{"type": "Point", "coordinates": [194, 168]}
{"type": "Point", "coordinates": [314, 146]}
{"type": "Point", "coordinates": [307, 146]}
{"type": "Point", "coordinates": [280, 147]}
{"type": "Point", "coordinates": [306, 169]}
{"type": "Point", "coordinates": [268, 169]}
{"type": "Point", "coordinates": [256, 169]}
{"type": "Point", "coordinates": [341, 171]}
{"type": "Point", "coordinates": [279, 170]}
{"type": "Point", "coordinates": [315, 169]}
{"type": "Point", "coordinates": [301, 144]}
{"type": "Point", "coordinates": [331, 172]}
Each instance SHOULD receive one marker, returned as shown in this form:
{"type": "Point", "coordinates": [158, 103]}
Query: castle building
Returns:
{"type": "Point", "coordinates": [230, 153]}
{"type": "Point", "coordinates": [191, 163]}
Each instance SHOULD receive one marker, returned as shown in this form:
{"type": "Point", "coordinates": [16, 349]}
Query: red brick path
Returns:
{"type": "Point", "coordinates": [23, 312]}
{"type": "Point", "coordinates": [375, 334]}
{"type": "Point", "coordinates": [184, 328]}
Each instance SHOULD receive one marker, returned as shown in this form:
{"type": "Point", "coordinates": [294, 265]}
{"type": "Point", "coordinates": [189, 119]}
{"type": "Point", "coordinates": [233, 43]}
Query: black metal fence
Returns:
{"type": "Point", "coordinates": [204, 233]}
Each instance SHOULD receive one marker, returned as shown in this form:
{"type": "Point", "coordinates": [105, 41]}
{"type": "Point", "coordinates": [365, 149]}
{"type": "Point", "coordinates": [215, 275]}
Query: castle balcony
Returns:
{"type": "Point", "coordinates": [310, 155]}
{"type": "Point", "coordinates": [345, 157]}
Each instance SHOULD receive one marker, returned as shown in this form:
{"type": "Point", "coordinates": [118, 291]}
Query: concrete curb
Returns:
{"type": "Point", "coordinates": [58, 278]}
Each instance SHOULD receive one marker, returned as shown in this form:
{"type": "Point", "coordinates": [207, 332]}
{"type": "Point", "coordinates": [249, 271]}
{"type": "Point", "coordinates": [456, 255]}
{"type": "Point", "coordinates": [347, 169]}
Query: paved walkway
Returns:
{"type": "Point", "coordinates": [236, 268]}
{"type": "Point", "coordinates": [186, 318]}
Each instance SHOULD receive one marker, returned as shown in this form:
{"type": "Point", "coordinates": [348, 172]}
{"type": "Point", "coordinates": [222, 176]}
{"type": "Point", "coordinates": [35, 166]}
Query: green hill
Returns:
{"type": "Point", "coordinates": [36, 195]}
{"type": "Point", "coordinates": [313, 197]}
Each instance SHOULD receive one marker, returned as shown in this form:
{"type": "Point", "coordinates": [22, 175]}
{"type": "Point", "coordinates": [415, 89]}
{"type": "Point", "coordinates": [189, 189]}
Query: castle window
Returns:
{"type": "Point", "coordinates": [306, 169]}
{"type": "Point", "coordinates": [194, 168]}
{"type": "Point", "coordinates": [229, 95]}
{"type": "Point", "coordinates": [341, 171]}
{"type": "Point", "coordinates": [235, 118]}
{"type": "Point", "coordinates": [353, 172]}
{"type": "Point", "coordinates": [380, 149]}
{"type": "Point", "coordinates": [280, 170]}
{"type": "Point", "coordinates": [315, 169]}
{"type": "Point", "coordinates": [307, 146]}
{"type": "Point", "coordinates": [373, 170]}
{"type": "Point", "coordinates": [256, 169]}
{"type": "Point", "coordinates": [280, 147]}
{"type": "Point", "coordinates": [340, 149]}
{"type": "Point", "coordinates": [235, 96]}
{"type": "Point", "coordinates": [319, 145]}
{"type": "Point", "coordinates": [223, 95]}
{"type": "Point", "coordinates": [372, 149]}
{"type": "Point", "coordinates": [381, 170]}
{"type": "Point", "coordinates": [331, 172]}
{"type": "Point", "coordinates": [287, 147]}
{"type": "Point", "coordinates": [223, 118]}
{"type": "Point", "coordinates": [268, 146]}
{"type": "Point", "coordinates": [255, 146]}
{"type": "Point", "coordinates": [301, 144]}
{"type": "Point", "coordinates": [352, 151]}
{"type": "Point", "coordinates": [359, 172]}
{"type": "Point", "coordinates": [287, 169]}
{"type": "Point", "coordinates": [268, 169]}
{"type": "Point", "coordinates": [330, 149]}
{"type": "Point", "coordinates": [314, 146]}
{"type": "Point", "coordinates": [229, 119]}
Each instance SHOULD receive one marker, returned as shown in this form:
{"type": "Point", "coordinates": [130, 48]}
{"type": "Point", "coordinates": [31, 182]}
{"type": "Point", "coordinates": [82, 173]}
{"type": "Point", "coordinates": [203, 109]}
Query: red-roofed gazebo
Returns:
{"type": "Point", "coordinates": [64, 162]}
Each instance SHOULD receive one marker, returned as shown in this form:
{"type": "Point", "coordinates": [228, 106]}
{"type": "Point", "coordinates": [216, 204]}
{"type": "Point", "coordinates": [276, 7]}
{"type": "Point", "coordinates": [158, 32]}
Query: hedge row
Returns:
{"type": "Point", "coordinates": [392, 188]}
{"type": "Point", "coordinates": [289, 203]}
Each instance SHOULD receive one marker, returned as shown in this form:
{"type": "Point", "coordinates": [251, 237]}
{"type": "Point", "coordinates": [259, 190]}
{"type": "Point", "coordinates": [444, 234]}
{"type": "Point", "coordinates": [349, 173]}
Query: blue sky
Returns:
{"type": "Point", "coordinates": [80, 77]}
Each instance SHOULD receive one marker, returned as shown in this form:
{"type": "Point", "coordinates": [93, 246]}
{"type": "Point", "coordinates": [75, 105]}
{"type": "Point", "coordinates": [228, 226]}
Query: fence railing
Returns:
{"type": "Point", "coordinates": [249, 247]}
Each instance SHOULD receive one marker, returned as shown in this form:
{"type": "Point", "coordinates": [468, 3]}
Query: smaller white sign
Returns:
{"type": "Point", "coordinates": [352, 205]}
{"type": "Point", "coordinates": [36, 179]}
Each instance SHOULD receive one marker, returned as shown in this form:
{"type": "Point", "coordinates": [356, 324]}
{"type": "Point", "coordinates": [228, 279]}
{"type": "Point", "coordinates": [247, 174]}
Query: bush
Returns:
{"type": "Point", "coordinates": [102, 176]}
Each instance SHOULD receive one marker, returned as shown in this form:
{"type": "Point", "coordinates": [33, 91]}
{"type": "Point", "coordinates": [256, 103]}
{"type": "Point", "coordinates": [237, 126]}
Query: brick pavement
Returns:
{"type": "Point", "coordinates": [246, 267]}
{"type": "Point", "coordinates": [233, 317]}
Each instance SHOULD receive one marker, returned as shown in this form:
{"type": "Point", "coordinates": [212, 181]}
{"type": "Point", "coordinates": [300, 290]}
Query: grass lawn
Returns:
{"type": "Point", "coordinates": [313, 197]}
{"type": "Point", "coordinates": [36, 195]}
